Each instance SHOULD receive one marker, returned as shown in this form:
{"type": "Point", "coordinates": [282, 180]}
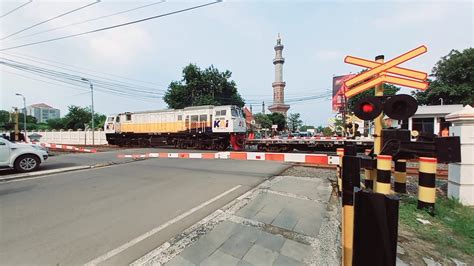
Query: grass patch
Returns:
{"type": "Point", "coordinates": [451, 229]}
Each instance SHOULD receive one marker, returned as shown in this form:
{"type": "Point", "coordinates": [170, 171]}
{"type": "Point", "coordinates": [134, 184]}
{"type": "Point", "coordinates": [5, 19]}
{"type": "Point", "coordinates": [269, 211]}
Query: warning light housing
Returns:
{"type": "Point", "coordinates": [399, 107]}
{"type": "Point", "coordinates": [368, 108]}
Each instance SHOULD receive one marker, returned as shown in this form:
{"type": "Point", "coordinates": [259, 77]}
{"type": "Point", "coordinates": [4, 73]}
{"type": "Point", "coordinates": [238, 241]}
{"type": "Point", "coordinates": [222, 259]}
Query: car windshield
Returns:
{"type": "Point", "coordinates": [4, 140]}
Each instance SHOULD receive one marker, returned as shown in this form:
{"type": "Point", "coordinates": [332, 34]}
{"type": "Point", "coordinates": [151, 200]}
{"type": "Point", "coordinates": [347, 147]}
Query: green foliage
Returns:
{"type": "Point", "coordinates": [203, 87]}
{"type": "Point", "coordinates": [5, 123]}
{"type": "Point", "coordinates": [327, 132]}
{"type": "Point", "coordinates": [263, 120]}
{"type": "Point", "coordinates": [453, 80]}
{"type": "Point", "coordinates": [294, 121]}
{"type": "Point", "coordinates": [77, 118]}
{"type": "Point", "coordinates": [451, 229]}
{"type": "Point", "coordinates": [305, 128]}
{"type": "Point", "coordinates": [278, 119]}
{"type": "Point", "coordinates": [320, 129]}
{"type": "Point", "coordinates": [388, 89]}
{"type": "Point", "coordinates": [55, 123]}
{"type": "Point", "coordinates": [267, 120]}
{"type": "Point", "coordinates": [338, 126]}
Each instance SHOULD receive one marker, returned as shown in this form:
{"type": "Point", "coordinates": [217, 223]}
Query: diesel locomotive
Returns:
{"type": "Point", "coordinates": [200, 127]}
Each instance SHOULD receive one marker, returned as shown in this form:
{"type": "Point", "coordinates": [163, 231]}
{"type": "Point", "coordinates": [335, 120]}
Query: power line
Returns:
{"type": "Point", "coordinates": [25, 56]}
{"type": "Point", "coordinates": [75, 80]}
{"type": "Point", "coordinates": [44, 71]}
{"type": "Point", "coordinates": [15, 9]}
{"type": "Point", "coordinates": [44, 81]}
{"type": "Point", "coordinates": [76, 87]}
{"type": "Point", "coordinates": [89, 20]}
{"type": "Point", "coordinates": [53, 18]}
{"type": "Point", "coordinates": [80, 72]}
{"type": "Point", "coordinates": [112, 27]}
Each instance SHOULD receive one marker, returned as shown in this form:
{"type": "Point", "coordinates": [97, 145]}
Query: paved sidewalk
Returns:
{"type": "Point", "coordinates": [281, 222]}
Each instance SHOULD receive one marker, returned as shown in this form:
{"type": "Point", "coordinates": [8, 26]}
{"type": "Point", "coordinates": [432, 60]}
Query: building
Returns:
{"type": "Point", "coordinates": [431, 118]}
{"type": "Point", "coordinates": [278, 85]}
{"type": "Point", "coordinates": [42, 112]}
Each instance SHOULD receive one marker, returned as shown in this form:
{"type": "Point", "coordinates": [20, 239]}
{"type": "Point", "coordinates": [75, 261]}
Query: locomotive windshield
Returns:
{"type": "Point", "coordinates": [236, 111]}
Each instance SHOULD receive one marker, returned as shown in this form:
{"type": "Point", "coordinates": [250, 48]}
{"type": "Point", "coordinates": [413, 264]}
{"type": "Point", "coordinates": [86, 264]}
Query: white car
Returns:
{"type": "Point", "coordinates": [24, 157]}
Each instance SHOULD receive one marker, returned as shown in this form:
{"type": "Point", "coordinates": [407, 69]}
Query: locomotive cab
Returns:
{"type": "Point", "coordinates": [228, 119]}
{"type": "Point", "coordinates": [110, 125]}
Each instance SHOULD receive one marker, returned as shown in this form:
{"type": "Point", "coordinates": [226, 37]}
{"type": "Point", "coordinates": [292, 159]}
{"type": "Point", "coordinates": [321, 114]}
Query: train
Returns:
{"type": "Point", "coordinates": [201, 127]}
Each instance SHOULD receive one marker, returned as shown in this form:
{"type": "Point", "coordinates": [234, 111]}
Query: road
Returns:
{"type": "Point", "coordinates": [77, 217]}
{"type": "Point", "coordinates": [79, 159]}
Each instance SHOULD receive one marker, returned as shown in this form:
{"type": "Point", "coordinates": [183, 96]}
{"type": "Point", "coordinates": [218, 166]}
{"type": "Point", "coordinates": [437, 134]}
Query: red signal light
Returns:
{"type": "Point", "coordinates": [367, 108]}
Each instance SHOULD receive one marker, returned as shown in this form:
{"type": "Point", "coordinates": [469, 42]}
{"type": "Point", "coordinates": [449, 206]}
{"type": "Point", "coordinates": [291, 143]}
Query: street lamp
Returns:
{"type": "Point", "coordinates": [92, 107]}
{"type": "Point", "coordinates": [24, 114]}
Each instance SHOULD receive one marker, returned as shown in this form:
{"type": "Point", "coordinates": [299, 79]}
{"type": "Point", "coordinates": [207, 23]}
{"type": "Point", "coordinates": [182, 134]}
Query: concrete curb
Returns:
{"type": "Point", "coordinates": [45, 172]}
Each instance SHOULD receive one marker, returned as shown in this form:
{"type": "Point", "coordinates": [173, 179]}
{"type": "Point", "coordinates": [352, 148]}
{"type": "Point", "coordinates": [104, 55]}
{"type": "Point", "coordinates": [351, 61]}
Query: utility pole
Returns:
{"type": "Point", "coordinates": [24, 114]}
{"type": "Point", "coordinates": [263, 107]}
{"type": "Point", "coordinates": [15, 114]}
{"type": "Point", "coordinates": [378, 121]}
{"type": "Point", "coordinates": [92, 109]}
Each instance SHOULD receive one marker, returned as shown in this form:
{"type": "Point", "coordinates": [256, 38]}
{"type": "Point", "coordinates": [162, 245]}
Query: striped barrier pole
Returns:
{"type": "Point", "coordinates": [369, 174]}
{"type": "Point", "coordinates": [350, 179]}
{"type": "Point", "coordinates": [340, 153]}
{"type": "Point", "coordinates": [400, 174]}
{"type": "Point", "coordinates": [384, 169]}
{"type": "Point", "coordinates": [427, 184]}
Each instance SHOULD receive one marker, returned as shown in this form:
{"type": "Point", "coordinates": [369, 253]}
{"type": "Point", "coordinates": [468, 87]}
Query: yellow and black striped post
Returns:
{"type": "Point", "coordinates": [400, 185]}
{"type": "Point", "coordinates": [427, 183]}
{"type": "Point", "coordinates": [340, 153]}
{"type": "Point", "coordinates": [369, 178]}
{"type": "Point", "coordinates": [384, 169]}
{"type": "Point", "coordinates": [369, 174]}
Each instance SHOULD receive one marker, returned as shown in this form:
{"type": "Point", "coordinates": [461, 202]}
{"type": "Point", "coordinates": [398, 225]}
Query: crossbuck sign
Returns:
{"type": "Point", "coordinates": [378, 73]}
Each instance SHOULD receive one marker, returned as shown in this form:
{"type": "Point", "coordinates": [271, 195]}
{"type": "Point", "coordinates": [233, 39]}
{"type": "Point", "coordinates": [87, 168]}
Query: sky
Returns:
{"type": "Point", "coordinates": [233, 35]}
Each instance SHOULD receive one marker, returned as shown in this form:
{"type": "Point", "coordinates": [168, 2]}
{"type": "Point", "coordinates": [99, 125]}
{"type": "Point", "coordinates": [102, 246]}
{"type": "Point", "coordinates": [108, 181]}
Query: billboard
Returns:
{"type": "Point", "coordinates": [338, 89]}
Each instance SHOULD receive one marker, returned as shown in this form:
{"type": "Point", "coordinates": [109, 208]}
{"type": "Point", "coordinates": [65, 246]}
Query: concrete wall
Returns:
{"type": "Point", "coordinates": [70, 137]}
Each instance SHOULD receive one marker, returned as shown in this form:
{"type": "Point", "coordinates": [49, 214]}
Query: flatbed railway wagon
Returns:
{"type": "Point", "coordinates": [201, 127]}
{"type": "Point", "coordinates": [307, 144]}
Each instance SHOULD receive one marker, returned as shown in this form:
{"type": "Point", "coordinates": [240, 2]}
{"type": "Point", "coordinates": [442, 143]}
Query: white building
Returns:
{"type": "Point", "coordinates": [42, 112]}
{"type": "Point", "coordinates": [431, 118]}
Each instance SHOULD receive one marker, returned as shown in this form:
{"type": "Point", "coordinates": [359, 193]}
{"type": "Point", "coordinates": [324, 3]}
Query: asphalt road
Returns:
{"type": "Point", "coordinates": [77, 217]}
{"type": "Point", "coordinates": [79, 159]}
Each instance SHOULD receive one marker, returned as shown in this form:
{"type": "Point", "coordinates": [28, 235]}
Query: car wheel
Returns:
{"type": "Point", "coordinates": [27, 163]}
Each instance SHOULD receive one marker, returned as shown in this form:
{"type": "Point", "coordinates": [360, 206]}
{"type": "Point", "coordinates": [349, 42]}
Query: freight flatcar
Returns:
{"type": "Point", "coordinates": [201, 127]}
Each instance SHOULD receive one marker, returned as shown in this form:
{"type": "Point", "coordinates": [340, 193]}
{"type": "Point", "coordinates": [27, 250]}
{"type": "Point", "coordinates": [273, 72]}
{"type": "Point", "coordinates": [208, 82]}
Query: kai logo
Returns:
{"type": "Point", "coordinates": [221, 123]}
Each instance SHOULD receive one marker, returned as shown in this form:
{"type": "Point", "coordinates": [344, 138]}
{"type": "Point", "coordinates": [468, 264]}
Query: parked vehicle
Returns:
{"type": "Point", "coordinates": [23, 157]}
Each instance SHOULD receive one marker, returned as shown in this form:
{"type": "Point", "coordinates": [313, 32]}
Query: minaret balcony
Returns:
{"type": "Point", "coordinates": [278, 84]}
{"type": "Point", "coordinates": [278, 61]}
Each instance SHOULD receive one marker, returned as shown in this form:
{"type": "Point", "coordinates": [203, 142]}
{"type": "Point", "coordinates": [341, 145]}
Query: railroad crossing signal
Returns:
{"type": "Point", "coordinates": [399, 107]}
{"type": "Point", "coordinates": [378, 73]}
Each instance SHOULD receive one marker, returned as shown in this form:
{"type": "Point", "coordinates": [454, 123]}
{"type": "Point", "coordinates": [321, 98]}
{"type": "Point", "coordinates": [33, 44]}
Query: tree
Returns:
{"type": "Point", "coordinates": [203, 87]}
{"type": "Point", "coordinates": [327, 132]}
{"type": "Point", "coordinates": [4, 119]}
{"type": "Point", "coordinates": [78, 117]}
{"type": "Point", "coordinates": [263, 120]}
{"type": "Point", "coordinates": [56, 123]}
{"type": "Point", "coordinates": [305, 128]}
{"type": "Point", "coordinates": [453, 80]}
{"type": "Point", "coordinates": [320, 129]}
{"type": "Point", "coordinates": [294, 121]}
{"type": "Point", "coordinates": [278, 119]}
